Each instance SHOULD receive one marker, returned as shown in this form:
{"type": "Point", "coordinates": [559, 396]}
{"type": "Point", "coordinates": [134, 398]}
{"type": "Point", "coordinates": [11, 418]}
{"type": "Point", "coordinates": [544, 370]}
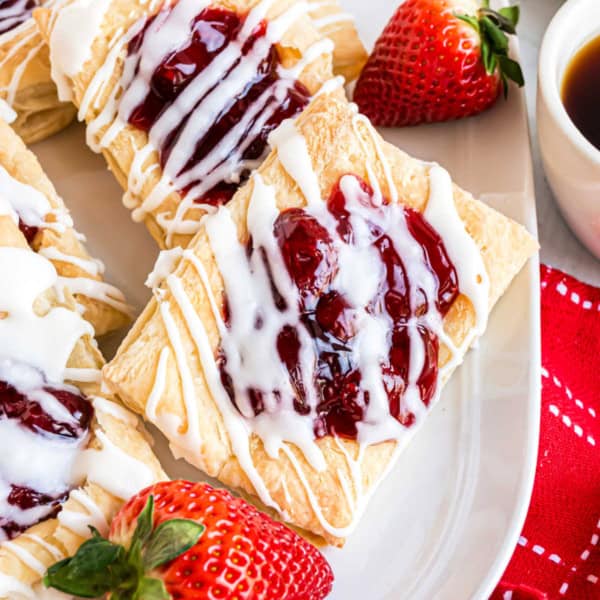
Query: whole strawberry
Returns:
{"type": "Point", "coordinates": [182, 540]}
{"type": "Point", "coordinates": [438, 60]}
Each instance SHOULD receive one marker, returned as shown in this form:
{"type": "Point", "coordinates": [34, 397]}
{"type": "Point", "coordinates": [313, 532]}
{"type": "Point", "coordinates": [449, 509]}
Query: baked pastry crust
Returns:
{"type": "Point", "coordinates": [121, 151]}
{"type": "Point", "coordinates": [22, 165]}
{"type": "Point", "coordinates": [349, 54]}
{"type": "Point", "coordinates": [338, 143]}
{"type": "Point", "coordinates": [23, 561]}
{"type": "Point", "coordinates": [26, 84]}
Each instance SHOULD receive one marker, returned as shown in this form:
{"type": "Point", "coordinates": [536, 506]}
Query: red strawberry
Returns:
{"type": "Point", "coordinates": [184, 540]}
{"type": "Point", "coordinates": [438, 60]}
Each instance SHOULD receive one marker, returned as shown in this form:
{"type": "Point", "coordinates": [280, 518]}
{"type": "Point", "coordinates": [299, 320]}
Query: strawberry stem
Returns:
{"type": "Point", "coordinates": [493, 28]}
{"type": "Point", "coordinates": [101, 566]}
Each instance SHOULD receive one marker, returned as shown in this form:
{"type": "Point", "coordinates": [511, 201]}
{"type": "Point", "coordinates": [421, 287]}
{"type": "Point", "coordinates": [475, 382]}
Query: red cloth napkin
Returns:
{"type": "Point", "coordinates": [558, 554]}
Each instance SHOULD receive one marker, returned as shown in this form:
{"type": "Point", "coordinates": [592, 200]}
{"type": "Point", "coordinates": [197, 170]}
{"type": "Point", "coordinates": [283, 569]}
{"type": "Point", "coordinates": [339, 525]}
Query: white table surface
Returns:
{"type": "Point", "coordinates": [560, 248]}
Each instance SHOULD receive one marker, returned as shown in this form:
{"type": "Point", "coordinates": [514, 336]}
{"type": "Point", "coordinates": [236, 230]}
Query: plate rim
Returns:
{"type": "Point", "coordinates": [511, 537]}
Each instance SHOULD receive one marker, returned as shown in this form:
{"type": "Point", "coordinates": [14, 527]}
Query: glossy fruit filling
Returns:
{"type": "Point", "coordinates": [331, 320]}
{"type": "Point", "coordinates": [29, 231]}
{"type": "Point", "coordinates": [70, 422]}
{"type": "Point", "coordinates": [15, 12]}
{"type": "Point", "coordinates": [211, 32]}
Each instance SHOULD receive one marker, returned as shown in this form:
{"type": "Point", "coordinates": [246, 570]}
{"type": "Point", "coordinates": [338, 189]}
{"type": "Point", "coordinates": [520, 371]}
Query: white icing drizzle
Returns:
{"type": "Point", "coordinates": [30, 205]}
{"type": "Point", "coordinates": [92, 266]}
{"type": "Point", "coordinates": [25, 276]}
{"type": "Point", "coordinates": [158, 388]}
{"type": "Point", "coordinates": [330, 86]}
{"type": "Point", "coordinates": [51, 549]}
{"type": "Point", "coordinates": [96, 290]}
{"type": "Point", "coordinates": [13, 588]}
{"type": "Point", "coordinates": [249, 295]}
{"type": "Point", "coordinates": [441, 213]}
{"type": "Point", "coordinates": [312, 53]}
{"type": "Point", "coordinates": [97, 89]}
{"type": "Point", "coordinates": [11, 16]}
{"type": "Point", "coordinates": [10, 91]}
{"type": "Point", "coordinates": [294, 157]}
{"type": "Point", "coordinates": [317, 5]}
{"type": "Point", "coordinates": [78, 522]}
{"type": "Point", "coordinates": [20, 70]}
{"type": "Point", "coordinates": [327, 16]}
{"type": "Point", "coordinates": [164, 266]}
{"type": "Point", "coordinates": [98, 466]}
{"type": "Point", "coordinates": [103, 405]}
{"type": "Point", "coordinates": [191, 436]}
{"type": "Point", "coordinates": [337, 20]}
{"type": "Point", "coordinates": [204, 98]}
{"type": "Point", "coordinates": [26, 557]}
{"type": "Point", "coordinates": [83, 375]}
{"type": "Point", "coordinates": [75, 27]}
{"type": "Point", "coordinates": [6, 112]}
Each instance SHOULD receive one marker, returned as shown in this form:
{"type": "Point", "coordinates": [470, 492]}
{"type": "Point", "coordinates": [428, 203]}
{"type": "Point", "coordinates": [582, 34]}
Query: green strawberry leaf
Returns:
{"type": "Point", "coordinates": [169, 540]}
{"type": "Point", "coordinates": [141, 535]}
{"type": "Point", "coordinates": [145, 523]}
{"type": "Point", "coordinates": [489, 60]}
{"type": "Point", "coordinates": [472, 21]}
{"type": "Point", "coordinates": [501, 21]}
{"type": "Point", "coordinates": [511, 14]}
{"type": "Point", "coordinates": [497, 38]}
{"type": "Point", "coordinates": [97, 567]}
{"type": "Point", "coordinates": [150, 588]}
{"type": "Point", "coordinates": [511, 69]}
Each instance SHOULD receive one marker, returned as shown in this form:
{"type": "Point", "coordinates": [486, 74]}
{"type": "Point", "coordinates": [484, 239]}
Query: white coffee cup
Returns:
{"type": "Point", "coordinates": [571, 162]}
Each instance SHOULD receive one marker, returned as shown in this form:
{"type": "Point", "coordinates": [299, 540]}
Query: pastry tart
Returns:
{"type": "Point", "coordinates": [25, 81]}
{"type": "Point", "coordinates": [349, 54]}
{"type": "Point", "coordinates": [27, 195]}
{"type": "Point", "coordinates": [180, 97]}
{"type": "Point", "coordinates": [69, 457]}
{"type": "Point", "coordinates": [299, 341]}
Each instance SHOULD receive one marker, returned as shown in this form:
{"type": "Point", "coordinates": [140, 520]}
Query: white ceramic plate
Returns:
{"type": "Point", "coordinates": [445, 522]}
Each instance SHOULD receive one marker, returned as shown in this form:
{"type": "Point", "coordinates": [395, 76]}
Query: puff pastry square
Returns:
{"type": "Point", "coordinates": [319, 483]}
{"type": "Point", "coordinates": [153, 174]}
{"type": "Point", "coordinates": [25, 189]}
{"type": "Point", "coordinates": [25, 81]}
{"type": "Point", "coordinates": [117, 457]}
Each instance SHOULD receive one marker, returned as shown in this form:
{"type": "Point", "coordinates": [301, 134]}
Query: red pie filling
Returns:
{"type": "Point", "coordinates": [29, 414]}
{"type": "Point", "coordinates": [311, 260]}
{"type": "Point", "coordinates": [29, 231]}
{"type": "Point", "coordinates": [15, 12]}
{"type": "Point", "coordinates": [210, 33]}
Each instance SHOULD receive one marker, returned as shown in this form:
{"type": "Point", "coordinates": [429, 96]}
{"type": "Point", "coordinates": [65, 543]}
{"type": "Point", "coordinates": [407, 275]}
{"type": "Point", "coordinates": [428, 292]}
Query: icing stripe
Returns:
{"type": "Point", "coordinates": [52, 550]}
{"type": "Point", "coordinates": [78, 522]}
{"type": "Point", "coordinates": [25, 557]}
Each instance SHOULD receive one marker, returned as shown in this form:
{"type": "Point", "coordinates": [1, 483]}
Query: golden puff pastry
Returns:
{"type": "Point", "coordinates": [153, 184]}
{"type": "Point", "coordinates": [115, 462]}
{"type": "Point", "coordinates": [31, 198]}
{"type": "Point", "coordinates": [191, 335]}
{"type": "Point", "coordinates": [25, 81]}
{"type": "Point", "coordinates": [349, 54]}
